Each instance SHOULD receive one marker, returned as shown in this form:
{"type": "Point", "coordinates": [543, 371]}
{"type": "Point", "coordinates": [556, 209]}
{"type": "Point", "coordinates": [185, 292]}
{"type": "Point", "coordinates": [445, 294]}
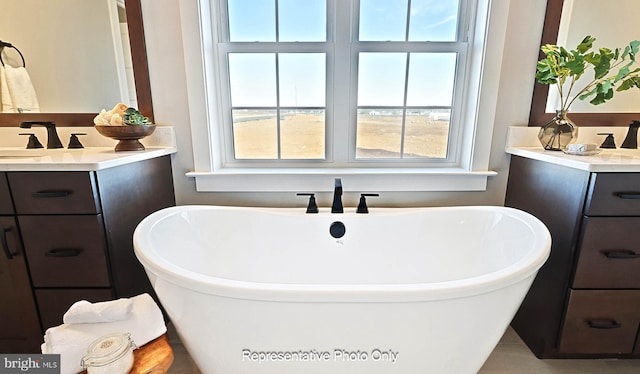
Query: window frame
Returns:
{"type": "Point", "coordinates": [469, 172]}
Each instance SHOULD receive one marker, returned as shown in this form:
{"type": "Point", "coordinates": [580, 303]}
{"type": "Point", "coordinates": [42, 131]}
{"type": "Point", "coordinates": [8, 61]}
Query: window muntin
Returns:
{"type": "Point", "coordinates": [251, 20]}
{"type": "Point", "coordinates": [404, 105]}
{"type": "Point", "coordinates": [281, 20]}
{"type": "Point", "coordinates": [418, 81]}
{"type": "Point", "coordinates": [409, 20]}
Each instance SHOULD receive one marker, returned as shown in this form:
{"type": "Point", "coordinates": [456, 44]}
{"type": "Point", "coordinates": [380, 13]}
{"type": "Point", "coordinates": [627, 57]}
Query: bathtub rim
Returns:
{"type": "Point", "coordinates": [519, 271]}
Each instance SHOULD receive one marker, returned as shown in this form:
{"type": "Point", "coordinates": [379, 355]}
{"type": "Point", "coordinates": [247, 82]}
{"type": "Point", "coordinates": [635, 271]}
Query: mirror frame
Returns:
{"type": "Point", "coordinates": [538, 115]}
{"type": "Point", "coordinates": [133, 10]}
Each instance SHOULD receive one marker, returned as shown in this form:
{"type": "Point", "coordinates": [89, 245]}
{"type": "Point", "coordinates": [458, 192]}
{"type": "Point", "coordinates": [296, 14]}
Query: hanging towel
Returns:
{"type": "Point", "coordinates": [5, 97]}
{"type": "Point", "coordinates": [144, 323]}
{"type": "Point", "coordinates": [21, 91]}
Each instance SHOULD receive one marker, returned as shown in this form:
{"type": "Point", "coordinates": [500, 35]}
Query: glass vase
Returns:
{"type": "Point", "coordinates": [556, 134]}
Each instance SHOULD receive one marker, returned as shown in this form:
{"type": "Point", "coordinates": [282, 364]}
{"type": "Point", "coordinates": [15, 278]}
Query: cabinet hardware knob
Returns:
{"type": "Point", "coordinates": [63, 252]}
{"type": "Point", "coordinates": [622, 254]}
{"type": "Point", "coordinates": [5, 244]}
{"type": "Point", "coordinates": [604, 324]}
{"type": "Point", "coordinates": [51, 194]}
{"type": "Point", "coordinates": [628, 195]}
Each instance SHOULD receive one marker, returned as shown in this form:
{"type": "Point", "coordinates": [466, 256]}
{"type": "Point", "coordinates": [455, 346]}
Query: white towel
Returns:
{"type": "Point", "coordinates": [108, 311]}
{"type": "Point", "coordinates": [5, 96]}
{"type": "Point", "coordinates": [145, 323]}
{"type": "Point", "coordinates": [23, 95]}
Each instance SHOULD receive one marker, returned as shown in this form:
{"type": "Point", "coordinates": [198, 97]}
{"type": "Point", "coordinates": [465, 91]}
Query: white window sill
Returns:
{"type": "Point", "coordinates": [321, 180]}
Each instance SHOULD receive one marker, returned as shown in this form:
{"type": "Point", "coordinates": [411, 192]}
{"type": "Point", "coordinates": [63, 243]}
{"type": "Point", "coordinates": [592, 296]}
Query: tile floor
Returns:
{"type": "Point", "coordinates": [510, 356]}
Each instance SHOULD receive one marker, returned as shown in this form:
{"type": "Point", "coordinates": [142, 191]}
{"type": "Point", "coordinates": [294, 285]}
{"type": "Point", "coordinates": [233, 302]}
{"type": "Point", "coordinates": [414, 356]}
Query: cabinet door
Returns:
{"type": "Point", "coordinates": [609, 254]}
{"type": "Point", "coordinates": [601, 322]}
{"type": "Point", "coordinates": [42, 192]}
{"type": "Point", "coordinates": [66, 250]}
{"type": "Point", "coordinates": [613, 194]}
{"type": "Point", "coordinates": [6, 206]}
{"type": "Point", "coordinates": [19, 326]}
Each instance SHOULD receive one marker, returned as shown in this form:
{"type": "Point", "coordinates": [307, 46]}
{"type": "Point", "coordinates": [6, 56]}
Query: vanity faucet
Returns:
{"type": "Point", "coordinates": [53, 141]}
{"type": "Point", "coordinates": [336, 207]}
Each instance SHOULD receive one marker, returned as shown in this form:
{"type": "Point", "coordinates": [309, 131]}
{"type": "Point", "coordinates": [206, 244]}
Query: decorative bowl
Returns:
{"type": "Point", "coordinates": [127, 135]}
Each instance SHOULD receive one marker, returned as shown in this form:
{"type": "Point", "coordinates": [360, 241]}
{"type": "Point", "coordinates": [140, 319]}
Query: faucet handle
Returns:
{"type": "Point", "coordinates": [33, 141]}
{"type": "Point", "coordinates": [362, 206]}
{"type": "Point", "coordinates": [608, 142]}
{"type": "Point", "coordinates": [74, 142]}
{"type": "Point", "coordinates": [312, 207]}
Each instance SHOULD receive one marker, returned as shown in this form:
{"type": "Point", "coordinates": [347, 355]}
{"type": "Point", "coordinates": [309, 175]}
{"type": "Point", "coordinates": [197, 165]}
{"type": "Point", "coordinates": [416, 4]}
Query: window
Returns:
{"type": "Point", "coordinates": [279, 67]}
{"type": "Point", "coordinates": [369, 87]}
{"type": "Point", "coordinates": [274, 57]}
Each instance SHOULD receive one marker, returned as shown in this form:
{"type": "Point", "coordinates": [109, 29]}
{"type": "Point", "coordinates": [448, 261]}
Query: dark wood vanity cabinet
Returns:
{"type": "Point", "coordinates": [19, 326]}
{"type": "Point", "coordinates": [77, 232]}
{"type": "Point", "coordinates": [585, 301]}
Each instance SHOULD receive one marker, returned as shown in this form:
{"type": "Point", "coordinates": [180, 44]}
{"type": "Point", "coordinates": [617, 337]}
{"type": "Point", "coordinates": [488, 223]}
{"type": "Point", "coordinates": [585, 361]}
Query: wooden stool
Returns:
{"type": "Point", "coordinates": [154, 357]}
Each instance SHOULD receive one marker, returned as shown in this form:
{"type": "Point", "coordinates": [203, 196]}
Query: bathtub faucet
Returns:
{"type": "Point", "coordinates": [336, 207]}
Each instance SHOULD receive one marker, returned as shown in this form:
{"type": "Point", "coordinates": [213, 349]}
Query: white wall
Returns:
{"type": "Point", "coordinates": [168, 85]}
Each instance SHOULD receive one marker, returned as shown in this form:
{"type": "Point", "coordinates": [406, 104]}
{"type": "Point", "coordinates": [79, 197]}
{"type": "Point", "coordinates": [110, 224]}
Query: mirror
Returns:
{"type": "Point", "coordinates": [562, 25]}
{"type": "Point", "coordinates": [133, 11]}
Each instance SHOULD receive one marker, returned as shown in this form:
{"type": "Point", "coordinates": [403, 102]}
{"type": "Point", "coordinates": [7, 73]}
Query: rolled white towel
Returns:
{"type": "Point", "coordinates": [144, 322]}
{"type": "Point", "coordinates": [107, 311]}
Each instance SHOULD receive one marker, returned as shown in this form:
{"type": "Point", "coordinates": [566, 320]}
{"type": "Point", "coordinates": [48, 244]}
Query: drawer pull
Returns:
{"type": "Point", "coordinates": [51, 194]}
{"type": "Point", "coordinates": [628, 195]}
{"type": "Point", "coordinates": [623, 254]}
{"type": "Point", "coordinates": [63, 252]}
{"type": "Point", "coordinates": [5, 244]}
{"type": "Point", "coordinates": [604, 324]}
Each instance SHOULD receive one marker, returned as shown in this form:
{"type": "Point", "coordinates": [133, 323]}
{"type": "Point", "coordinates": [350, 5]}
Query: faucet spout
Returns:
{"type": "Point", "coordinates": [337, 207]}
{"type": "Point", "coordinates": [53, 141]}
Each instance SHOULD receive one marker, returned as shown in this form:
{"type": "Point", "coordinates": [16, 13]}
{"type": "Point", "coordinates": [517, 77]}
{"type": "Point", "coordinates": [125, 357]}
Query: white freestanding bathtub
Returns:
{"type": "Point", "coordinates": [408, 290]}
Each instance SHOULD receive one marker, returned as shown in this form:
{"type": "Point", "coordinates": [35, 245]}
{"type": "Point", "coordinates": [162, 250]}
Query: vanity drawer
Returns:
{"type": "Point", "coordinates": [613, 194]}
{"type": "Point", "coordinates": [609, 255]}
{"type": "Point", "coordinates": [6, 206]}
{"type": "Point", "coordinates": [601, 322]}
{"type": "Point", "coordinates": [54, 192]}
{"type": "Point", "coordinates": [53, 304]}
{"type": "Point", "coordinates": [65, 251]}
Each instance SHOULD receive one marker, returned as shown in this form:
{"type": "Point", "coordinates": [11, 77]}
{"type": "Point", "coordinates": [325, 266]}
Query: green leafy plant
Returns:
{"type": "Point", "coordinates": [612, 71]}
{"type": "Point", "coordinates": [134, 118]}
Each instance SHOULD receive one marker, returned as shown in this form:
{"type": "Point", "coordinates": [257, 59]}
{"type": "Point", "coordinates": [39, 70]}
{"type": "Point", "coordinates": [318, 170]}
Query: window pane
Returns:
{"type": "Point", "coordinates": [302, 21]}
{"type": "Point", "coordinates": [255, 134]}
{"type": "Point", "coordinates": [252, 79]}
{"type": "Point", "coordinates": [381, 78]}
{"type": "Point", "coordinates": [383, 20]}
{"type": "Point", "coordinates": [252, 20]}
{"type": "Point", "coordinates": [379, 133]}
{"type": "Point", "coordinates": [426, 133]}
{"type": "Point", "coordinates": [302, 79]}
{"type": "Point", "coordinates": [433, 20]}
{"type": "Point", "coordinates": [302, 134]}
{"type": "Point", "coordinates": [431, 78]}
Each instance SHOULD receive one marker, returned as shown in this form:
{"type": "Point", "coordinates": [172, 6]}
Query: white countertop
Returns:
{"type": "Point", "coordinates": [86, 159]}
{"type": "Point", "coordinates": [523, 141]}
{"type": "Point", "coordinates": [98, 152]}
